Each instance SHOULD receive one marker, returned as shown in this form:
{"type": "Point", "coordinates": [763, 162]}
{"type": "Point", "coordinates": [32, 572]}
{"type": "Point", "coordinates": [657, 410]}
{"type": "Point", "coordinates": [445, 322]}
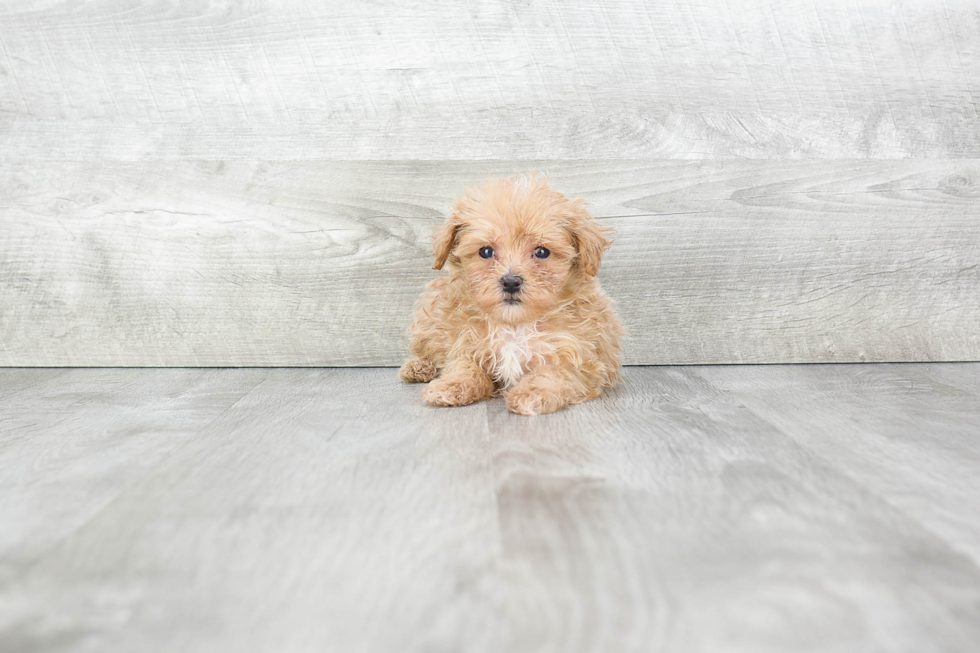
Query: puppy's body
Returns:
{"type": "Point", "coordinates": [521, 309]}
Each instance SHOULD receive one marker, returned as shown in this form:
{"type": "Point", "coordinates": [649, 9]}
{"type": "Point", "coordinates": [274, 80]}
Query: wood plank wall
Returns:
{"type": "Point", "coordinates": [223, 183]}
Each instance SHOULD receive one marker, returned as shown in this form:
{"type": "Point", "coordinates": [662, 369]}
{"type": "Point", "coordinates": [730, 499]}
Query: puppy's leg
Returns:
{"type": "Point", "coordinates": [462, 383]}
{"type": "Point", "coordinates": [548, 389]}
{"type": "Point", "coordinates": [429, 339]}
{"type": "Point", "coordinates": [418, 370]}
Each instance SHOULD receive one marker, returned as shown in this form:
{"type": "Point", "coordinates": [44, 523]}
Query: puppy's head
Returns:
{"type": "Point", "coordinates": [521, 248]}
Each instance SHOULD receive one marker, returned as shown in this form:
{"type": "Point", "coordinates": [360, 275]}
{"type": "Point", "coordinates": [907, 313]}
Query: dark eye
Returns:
{"type": "Point", "coordinates": [486, 252]}
{"type": "Point", "coordinates": [542, 252]}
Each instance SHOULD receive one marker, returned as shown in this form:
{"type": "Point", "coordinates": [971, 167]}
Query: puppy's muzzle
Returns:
{"type": "Point", "coordinates": [511, 284]}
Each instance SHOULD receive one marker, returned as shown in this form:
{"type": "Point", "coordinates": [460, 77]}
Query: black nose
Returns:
{"type": "Point", "coordinates": [511, 283]}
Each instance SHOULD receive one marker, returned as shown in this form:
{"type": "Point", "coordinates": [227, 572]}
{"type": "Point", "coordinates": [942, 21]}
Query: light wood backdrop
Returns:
{"type": "Point", "coordinates": [221, 183]}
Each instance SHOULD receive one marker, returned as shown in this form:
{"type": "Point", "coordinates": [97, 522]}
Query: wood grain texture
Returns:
{"type": "Point", "coordinates": [690, 509]}
{"type": "Point", "coordinates": [920, 427]}
{"type": "Point", "coordinates": [72, 443]}
{"type": "Point", "coordinates": [319, 263]}
{"type": "Point", "coordinates": [320, 438]}
{"type": "Point", "coordinates": [17, 381]}
{"type": "Point", "coordinates": [505, 80]}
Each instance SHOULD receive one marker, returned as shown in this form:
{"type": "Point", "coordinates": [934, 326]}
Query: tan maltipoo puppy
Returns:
{"type": "Point", "coordinates": [521, 309]}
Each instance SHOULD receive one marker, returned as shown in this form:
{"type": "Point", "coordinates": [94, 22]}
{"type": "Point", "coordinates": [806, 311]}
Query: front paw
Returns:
{"type": "Point", "coordinates": [529, 399]}
{"type": "Point", "coordinates": [452, 392]}
{"type": "Point", "coordinates": [417, 370]}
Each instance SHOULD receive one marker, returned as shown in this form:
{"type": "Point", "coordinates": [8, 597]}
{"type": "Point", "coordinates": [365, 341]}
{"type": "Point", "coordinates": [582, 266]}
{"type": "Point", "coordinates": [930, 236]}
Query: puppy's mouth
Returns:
{"type": "Point", "coordinates": [512, 301]}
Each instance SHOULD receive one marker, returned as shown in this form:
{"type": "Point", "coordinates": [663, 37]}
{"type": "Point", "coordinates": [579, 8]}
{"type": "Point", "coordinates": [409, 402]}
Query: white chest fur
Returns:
{"type": "Point", "coordinates": [512, 348]}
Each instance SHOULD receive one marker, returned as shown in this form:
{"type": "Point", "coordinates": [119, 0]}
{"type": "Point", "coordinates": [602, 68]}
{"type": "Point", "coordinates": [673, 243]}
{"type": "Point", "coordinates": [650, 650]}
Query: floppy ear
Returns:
{"type": "Point", "coordinates": [590, 239]}
{"type": "Point", "coordinates": [445, 240]}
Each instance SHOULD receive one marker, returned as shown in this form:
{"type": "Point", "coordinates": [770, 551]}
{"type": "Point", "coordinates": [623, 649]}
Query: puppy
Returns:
{"type": "Point", "coordinates": [520, 310]}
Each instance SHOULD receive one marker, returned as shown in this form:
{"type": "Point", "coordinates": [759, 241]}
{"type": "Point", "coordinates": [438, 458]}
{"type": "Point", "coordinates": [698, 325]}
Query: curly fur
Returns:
{"type": "Point", "coordinates": [558, 345]}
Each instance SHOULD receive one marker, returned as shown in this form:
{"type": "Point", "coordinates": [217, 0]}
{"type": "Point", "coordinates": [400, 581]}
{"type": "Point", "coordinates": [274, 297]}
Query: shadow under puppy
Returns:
{"type": "Point", "coordinates": [520, 310]}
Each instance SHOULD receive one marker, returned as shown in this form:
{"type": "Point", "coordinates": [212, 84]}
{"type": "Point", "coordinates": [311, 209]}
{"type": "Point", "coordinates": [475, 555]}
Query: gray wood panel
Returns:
{"type": "Point", "coordinates": [919, 429]}
{"type": "Point", "coordinates": [505, 80]}
{"type": "Point", "coordinates": [17, 381]}
{"type": "Point", "coordinates": [72, 444]}
{"type": "Point", "coordinates": [319, 263]}
{"type": "Point", "coordinates": [690, 509]}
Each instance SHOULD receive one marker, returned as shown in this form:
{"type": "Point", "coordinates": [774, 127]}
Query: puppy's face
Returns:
{"type": "Point", "coordinates": [521, 248]}
{"type": "Point", "coordinates": [516, 269]}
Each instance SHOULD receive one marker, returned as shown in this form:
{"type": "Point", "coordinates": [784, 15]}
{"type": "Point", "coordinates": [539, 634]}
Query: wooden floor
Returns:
{"type": "Point", "coordinates": [784, 508]}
